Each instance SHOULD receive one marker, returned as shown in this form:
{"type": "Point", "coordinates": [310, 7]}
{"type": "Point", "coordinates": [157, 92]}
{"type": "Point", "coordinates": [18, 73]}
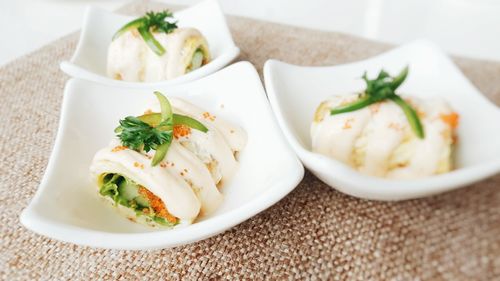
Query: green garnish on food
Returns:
{"type": "Point", "coordinates": [138, 135]}
{"type": "Point", "coordinates": [154, 131]}
{"type": "Point", "coordinates": [125, 192]}
{"type": "Point", "coordinates": [381, 88]}
{"type": "Point", "coordinates": [153, 119]}
{"type": "Point", "coordinates": [197, 60]}
{"type": "Point", "coordinates": [151, 22]}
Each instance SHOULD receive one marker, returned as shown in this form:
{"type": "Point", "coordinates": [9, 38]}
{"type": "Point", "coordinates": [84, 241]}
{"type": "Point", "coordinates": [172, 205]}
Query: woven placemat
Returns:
{"type": "Point", "coordinates": [313, 233]}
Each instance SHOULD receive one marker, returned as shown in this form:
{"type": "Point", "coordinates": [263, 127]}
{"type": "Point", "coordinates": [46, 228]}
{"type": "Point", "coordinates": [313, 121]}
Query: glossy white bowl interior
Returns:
{"type": "Point", "coordinates": [296, 91]}
{"type": "Point", "coordinates": [66, 205]}
{"type": "Point", "coordinates": [90, 58]}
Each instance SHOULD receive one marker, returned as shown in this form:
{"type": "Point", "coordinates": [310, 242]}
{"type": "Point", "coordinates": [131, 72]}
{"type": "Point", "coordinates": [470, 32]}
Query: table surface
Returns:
{"type": "Point", "coordinates": [462, 27]}
{"type": "Point", "coordinates": [313, 233]}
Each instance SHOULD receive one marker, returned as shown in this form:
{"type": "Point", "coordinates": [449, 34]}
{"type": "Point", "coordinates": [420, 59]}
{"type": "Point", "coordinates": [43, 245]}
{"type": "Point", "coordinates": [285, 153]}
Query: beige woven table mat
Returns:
{"type": "Point", "coordinates": [313, 233]}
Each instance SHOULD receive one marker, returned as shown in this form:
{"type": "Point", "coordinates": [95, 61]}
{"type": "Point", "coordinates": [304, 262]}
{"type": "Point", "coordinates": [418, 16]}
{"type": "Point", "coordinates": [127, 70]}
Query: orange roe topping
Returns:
{"type": "Point", "coordinates": [347, 123]}
{"type": "Point", "coordinates": [450, 119]}
{"type": "Point", "coordinates": [395, 126]}
{"type": "Point", "coordinates": [157, 205]}
{"type": "Point", "coordinates": [118, 148]}
{"type": "Point", "coordinates": [148, 111]}
{"type": "Point", "coordinates": [374, 108]}
{"type": "Point", "coordinates": [208, 116]}
{"type": "Point", "coordinates": [181, 131]}
{"type": "Point", "coordinates": [138, 165]}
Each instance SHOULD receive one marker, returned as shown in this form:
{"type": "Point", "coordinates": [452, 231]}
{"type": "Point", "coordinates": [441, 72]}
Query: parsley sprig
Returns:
{"type": "Point", "coordinates": [151, 22]}
{"type": "Point", "coordinates": [381, 88]}
{"type": "Point", "coordinates": [154, 131]}
{"type": "Point", "coordinates": [139, 135]}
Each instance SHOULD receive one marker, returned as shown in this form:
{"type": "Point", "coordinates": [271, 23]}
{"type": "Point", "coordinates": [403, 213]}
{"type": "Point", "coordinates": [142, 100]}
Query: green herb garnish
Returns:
{"type": "Point", "coordinates": [138, 135]}
{"type": "Point", "coordinates": [151, 22]}
{"type": "Point", "coordinates": [381, 88]}
{"type": "Point", "coordinates": [154, 130]}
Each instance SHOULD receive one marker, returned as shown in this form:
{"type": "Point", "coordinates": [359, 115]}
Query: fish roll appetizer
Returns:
{"type": "Point", "coordinates": [380, 133]}
{"type": "Point", "coordinates": [152, 48]}
{"type": "Point", "coordinates": [165, 168]}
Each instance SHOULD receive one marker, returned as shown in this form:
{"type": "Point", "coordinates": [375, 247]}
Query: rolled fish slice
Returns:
{"type": "Point", "coordinates": [130, 58]}
{"type": "Point", "coordinates": [218, 147]}
{"type": "Point", "coordinates": [181, 181]}
{"type": "Point", "coordinates": [378, 140]}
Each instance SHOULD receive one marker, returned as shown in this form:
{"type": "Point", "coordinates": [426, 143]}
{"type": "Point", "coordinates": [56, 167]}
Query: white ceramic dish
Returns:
{"type": "Point", "coordinates": [66, 205]}
{"type": "Point", "coordinates": [295, 92]}
{"type": "Point", "coordinates": [89, 60]}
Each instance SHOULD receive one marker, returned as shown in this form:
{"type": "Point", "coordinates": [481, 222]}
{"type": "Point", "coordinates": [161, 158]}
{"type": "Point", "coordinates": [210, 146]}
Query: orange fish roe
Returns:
{"type": "Point", "coordinates": [148, 111]}
{"type": "Point", "coordinates": [157, 205]}
{"type": "Point", "coordinates": [208, 116]}
{"type": "Point", "coordinates": [138, 165]}
{"type": "Point", "coordinates": [118, 148]}
{"type": "Point", "coordinates": [163, 165]}
{"type": "Point", "coordinates": [374, 108]}
{"type": "Point", "coordinates": [347, 123]}
{"type": "Point", "coordinates": [450, 119]}
{"type": "Point", "coordinates": [181, 131]}
{"type": "Point", "coordinates": [395, 126]}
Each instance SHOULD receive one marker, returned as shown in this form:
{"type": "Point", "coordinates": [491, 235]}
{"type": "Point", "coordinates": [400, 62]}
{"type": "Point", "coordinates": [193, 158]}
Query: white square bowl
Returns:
{"type": "Point", "coordinates": [66, 205]}
{"type": "Point", "coordinates": [90, 58]}
{"type": "Point", "coordinates": [296, 91]}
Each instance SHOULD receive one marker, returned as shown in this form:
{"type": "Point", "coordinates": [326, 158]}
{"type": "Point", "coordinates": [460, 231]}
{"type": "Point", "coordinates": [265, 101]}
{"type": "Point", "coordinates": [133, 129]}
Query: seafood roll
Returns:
{"type": "Point", "coordinates": [153, 178]}
{"type": "Point", "coordinates": [382, 134]}
{"type": "Point", "coordinates": [153, 48]}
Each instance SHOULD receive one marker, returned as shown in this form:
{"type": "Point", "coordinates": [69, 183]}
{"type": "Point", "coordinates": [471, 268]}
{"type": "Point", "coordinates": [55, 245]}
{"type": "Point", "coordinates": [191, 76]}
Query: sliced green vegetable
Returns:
{"type": "Point", "coordinates": [131, 25]}
{"type": "Point", "coordinates": [153, 119]}
{"type": "Point", "coordinates": [163, 221]}
{"type": "Point", "coordinates": [141, 201]}
{"type": "Point", "coordinates": [190, 122]}
{"type": "Point", "coordinates": [165, 107]}
{"type": "Point", "coordinates": [166, 123]}
{"type": "Point", "coordinates": [197, 60]}
{"type": "Point", "coordinates": [128, 189]}
{"type": "Point", "coordinates": [379, 89]}
{"type": "Point", "coordinates": [411, 115]}
{"type": "Point", "coordinates": [154, 130]}
{"type": "Point", "coordinates": [153, 44]}
{"type": "Point", "coordinates": [152, 21]}
{"type": "Point", "coordinates": [360, 103]}
{"type": "Point", "coordinates": [160, 153]}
